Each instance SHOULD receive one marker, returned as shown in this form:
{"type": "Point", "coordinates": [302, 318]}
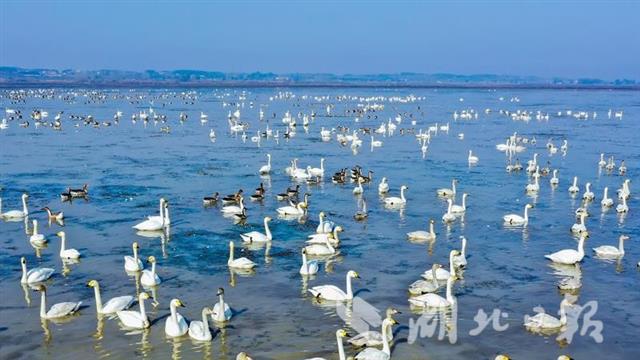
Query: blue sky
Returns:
{"type": "Point", "coordinates": [544, 38]}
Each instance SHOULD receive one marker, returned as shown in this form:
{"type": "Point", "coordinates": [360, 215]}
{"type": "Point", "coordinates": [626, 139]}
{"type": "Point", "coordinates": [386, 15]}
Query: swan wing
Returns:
{"type": "Point", "coordinates": [328, 292]}
{"type": "Point", "coordinates": [63, 309]}
{"type": "Point", "coordinates": [372, 354]}
{"type": "Point", "coordinates": [117, 304]}
{"type": "Point", "coordinates": [367, 338]}
{"type": "Point", "coordinates": [39, 275]}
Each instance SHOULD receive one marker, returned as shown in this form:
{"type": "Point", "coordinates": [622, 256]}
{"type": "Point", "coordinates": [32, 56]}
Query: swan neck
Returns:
{"type": "Point", "coordinates": [621, 245]}
{"type": "Point", "coordinates": [24, 206]}
{"type": "Point", "coordinates": [581, 246]}
{"type": "Point", "coordinates": [230, 252]}
{"type": "Point", "coordinates": [96, 291]}
{"type": "Point", "coordinates": [153, 268]}
{"type": "Point", "coordinates": [174, 312]}
{"type": "Point", "coordinates": [449, 291]}
{"type": "Point", "coordinates": [432, 231]}
{"type": "Point", "coordinates": [526, 214]}
{"type": "Point", "coordinates": [606, 192]}
{"type": "Point", "coordinates": [452, 268]}
{"type": "Point", "coordinates": [267, 230]}
{"type": "Point", "coordinates": [341, 354]}
{"type": "Point", "coordinates": [349, 290]}
{"type": "Point", "coordinates": [205, 322]}
{"type": "Point", "coordinates": [385, 339]}
{"type": "Point", "coordinates": [24, 273]}
{"type": "Point", "coordinates": [402, 194]}
{"type": "Point", "coordinates": [43, 304]}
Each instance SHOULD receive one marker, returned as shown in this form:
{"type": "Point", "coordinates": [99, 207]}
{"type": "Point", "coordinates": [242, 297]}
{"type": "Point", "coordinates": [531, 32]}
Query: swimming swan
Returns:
{"type": "Point", "coordinates": [240, 263]}
{"type": "Point", "coordinates": [421, 286]}
{"type": "Point", "coordinates": [448, 192]}
{"type": "Point", "coordinates": [397, 201]}
{"type": "Point", "coordinates": [308, 267]}
{"type": "Point", "coordinates": [608, 251]}
{"type": "Point", "coordinates": [135, 319]}
{"type": "Point", "coordinates": [442, 274]}
{"type": "Point", "coordinates": [149, 277]}
{"type": "Point", "coordinates": [569, 256]}
{"type": "Point", "coordinates": [256, 236]}
{"type": "Point", "coordinates": [377, 354]}
{"type": "Point", "coordinates": [133, 263]}
{"type": "Point", "coordinates": [114, 305]}
{"type": "Point", "coordinates": [544, 321]}
{"type": "Point", "coordinates": [459, 209]}
{"type": "Point", "coordinates": [514, 219]}
{"type": "Point", "coordinates": [57, 310]}
{"type": "Point", "coordinates": [199, 330]}
{"type": "Point", "coordinates": [175, 325]}
{"type": "Point", "coordinates": [424, 235]}
{"type": "Point", "coordinates": [221, 311]}
{"type": "Point", "coordinates": [266, 169]}
{"type": "Point", "coordinates": [68, 254]}
{"type": "Point", "coordinates": [35, 275]}
{"type": "Point", "coordinates": [431, 300]}
{"type": "Point", "coordinates": [332, 292]}
{"type": "Point", "coordinates": [16, 214]}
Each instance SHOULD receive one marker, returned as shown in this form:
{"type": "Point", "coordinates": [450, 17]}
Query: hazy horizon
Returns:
{"type": "Point", "coordinates": [566, 39]}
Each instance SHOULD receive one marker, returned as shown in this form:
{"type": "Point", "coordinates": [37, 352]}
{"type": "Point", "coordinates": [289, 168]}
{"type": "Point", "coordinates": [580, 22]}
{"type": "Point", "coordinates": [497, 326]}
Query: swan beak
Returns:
{"type": "Point", "coordinates": [180, 304]}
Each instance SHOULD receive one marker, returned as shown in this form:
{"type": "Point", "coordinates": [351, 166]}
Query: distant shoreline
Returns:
{"type": "Point", "coordinates": [276, 84]}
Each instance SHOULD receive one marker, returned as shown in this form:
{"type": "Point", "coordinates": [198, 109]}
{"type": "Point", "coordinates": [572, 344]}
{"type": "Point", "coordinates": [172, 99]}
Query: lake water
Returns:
{"type": "Point", "coordinates": [130, 166]}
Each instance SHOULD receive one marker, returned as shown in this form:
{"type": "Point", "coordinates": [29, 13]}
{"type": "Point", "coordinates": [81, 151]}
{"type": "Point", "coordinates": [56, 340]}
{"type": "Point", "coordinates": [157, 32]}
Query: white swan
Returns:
{"type": "Point", "coordinates": [321, 249]}
{"type": "Point", "coordinates": [234, 209]}
{"type": "Point", "coordinates": [35, 275]}
{"type": "Point", "coordinates": [358, 190]}
{"type": "Point", "coordinates": [150, 278]}
{"type": "Point", "coordinates": [265, 169]}
{"type": "Point", "coordinates": [332, 237]}
{"type": "Point", "coordinates": [383, 187]}
{"type": "Point", "coordinates": [424, 235]}
{"type": "Point", "coordinates": [37, 238]}
{"type": "Point", "coordinates": [153, 223]}
{"type": "Point", "coordinates": [606, 200]}
{"type": "Point", "coordinates": [431, 300]}
{"type": "Point", "coordinates": [256, 236]}
{"type": "Point", "coordinates": [459, 209]}
{"type": "Point", "coordinates": [622, 208]}
{"type": "Point", "coordinates": [199, 330]}
{"type": "Point", "coordinates": [472, 158]}
{"type": "Point", "coordinates": [324, 227]}
{"type": "Point", "coordinates": [318, 172]}
{"type": "Point", "coordinates": [221, 311]}
{"type": "Point", "coordinates": [535, 187]}
{"type": "Point", "coordinates": [240, 263]}
{"type": "Point", "coordinates": [448, 216]}
{"type": "Point", "coordinates": [440, 273]}
{"type": "Point", "coordinates": [602, 163]}
{"type": "Point", "coordinates": [135, 319]}
{"type": "Point", "coordinates": [114, 305]}
{"type": "Point", "coordinates": [569, 256]}
{"type": "Point", "coordinates": [544, 321]}
{"type": "Point", "coordinates": [133, 263]}
{"type": "Point", "coordinates": [297, 210]}
{"type": "Point", "coordinates": [554, 179]}
{"type": "Point", "coordinates": [515, 219]}
{"type": "Point", "coordinates": [69, 254]}
{"type": "Point", "coordinates": [308, 267]}
{"type": "Point", "coordinates": [16, 214]}
{"type": "Point", "coordinates": [608, 251]}
{"type": "Point", "coordinates": [334, 293]}
{"type": "Point", "coordinates": [461, 260]}
{"type": "Point", "coordinates": [377, 354]}
{"type": "Point", "coordinates": [57, 310]}
{"type": "Point", "coordinates": [580, 226]}
{"type": "Point", "coordinates": [175, 325]}
{"type": "Point", "coordinates": [588, 194]}
{"type": "Point", "coordinates": [624, 191]}
{"type": "Point", "coordinates": [372, 337]}
{"type": "Point", "coordinates": [164, 213]}
{"type": "Point", "coordinates": [421, 286]}
{"type": "Point", "coordinates": [397, 201]}
{"type": "Point", "coordinates": [448, 192]}
{"type": "Point", "coordinates": [574, 187]}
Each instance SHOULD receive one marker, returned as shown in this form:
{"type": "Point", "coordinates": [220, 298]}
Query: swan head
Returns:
{"type": "Point", "coordinates": [431, 221]}
{"type": "Point", "coordinates": [353, 274]}
{"type": "Point", "coordinates": [41, 288]}
{"type": "Point", "coordinates": [177, 303]}
{"type": "Point", "coordinates": [25, 196]}
{"type": "Point", "coordinates": [342, 333]}
{"type": "Point", "coordinates": [151, 259]}
{"type": "Point", "coordinates": [135, 245]}
{"type": "Point", "coordinates": [220, 292]}
{"type": "Point", "coordinates": [436, 266]}
{"type": "Point", "coordinates": [322, 214]}
{"type": "Point", "coordinates": [392, 311]}
{"type": "Point", "coordinates": [529, 206]}
{"type": "Point", "coordinates": [92, 283]}
{"type": "Point", "coordinates": [23, 261]}
{"type": "Point", "coordinates": [565, 357]}
{"type": "Point", "coordinates": [144, 296]}
{"type": "Point", "coordinates": [502, 357]}
{"type": "Point", "coordinates": [622, 237]}
{"type": "Point", "coordinates": [404, 187]}
{"type": "Point", "coordinates": [59, 233]}
{"type": "Point", "coordinates": [267, 218]}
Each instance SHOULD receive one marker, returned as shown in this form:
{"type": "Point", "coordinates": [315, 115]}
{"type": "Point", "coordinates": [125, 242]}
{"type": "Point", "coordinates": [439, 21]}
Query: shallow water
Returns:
{"type": "Point", "coordinates": [129, 167]}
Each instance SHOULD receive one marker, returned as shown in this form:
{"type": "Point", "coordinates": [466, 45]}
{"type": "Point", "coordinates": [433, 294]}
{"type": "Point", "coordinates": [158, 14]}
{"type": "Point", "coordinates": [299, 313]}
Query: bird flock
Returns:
{"type": "Point", "coordinates": [435, 286]}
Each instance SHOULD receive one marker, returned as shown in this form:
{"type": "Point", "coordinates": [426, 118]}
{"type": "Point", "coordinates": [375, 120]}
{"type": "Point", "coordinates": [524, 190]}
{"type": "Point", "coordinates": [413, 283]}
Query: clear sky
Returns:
{"type": "Point", "coordinates": [545, 38]}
